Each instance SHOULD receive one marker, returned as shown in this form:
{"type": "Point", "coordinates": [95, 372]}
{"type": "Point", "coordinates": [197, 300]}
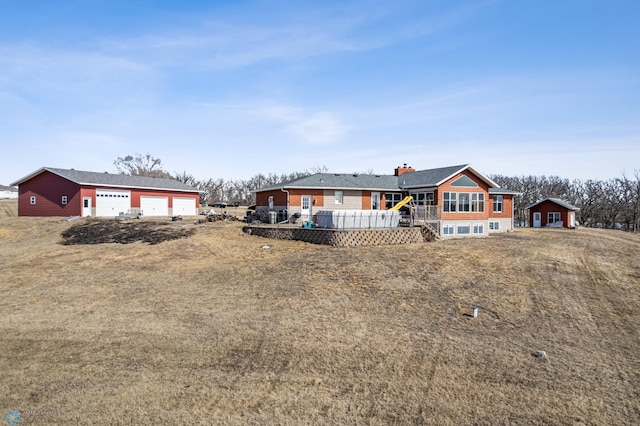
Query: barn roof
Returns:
{"type": "Point", "coordinates": [557, 201]}
{"type": "Point", "coordinates": [112, 180]}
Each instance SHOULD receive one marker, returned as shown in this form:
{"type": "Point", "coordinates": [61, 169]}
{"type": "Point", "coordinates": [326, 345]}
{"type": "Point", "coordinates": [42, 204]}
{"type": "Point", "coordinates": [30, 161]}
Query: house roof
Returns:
{"type": "Point", "coordinates": [112, 180]}
{"type": "Point", "coordinates": [8, 188]}
{"type": "Point", "coordinates": [408, 180]}
{"type": "Point", "coordinates": [557, 201]}
{"type": "Point", "coordinates": [340, 181]}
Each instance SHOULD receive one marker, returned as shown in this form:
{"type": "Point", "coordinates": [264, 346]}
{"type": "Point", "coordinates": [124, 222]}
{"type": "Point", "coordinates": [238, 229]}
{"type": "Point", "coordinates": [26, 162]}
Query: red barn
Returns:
{"type": "Point", "coordinates": [552, 212]}
{"type": "Point", "coordinates": [62, 192]}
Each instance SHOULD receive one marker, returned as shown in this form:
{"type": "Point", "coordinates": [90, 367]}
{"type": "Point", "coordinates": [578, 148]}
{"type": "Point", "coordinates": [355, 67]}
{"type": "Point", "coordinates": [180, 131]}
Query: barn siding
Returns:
{"type": "Point", "coordinates": [547, 207]}
{"type": "Point", "coordinates": [48, 188]}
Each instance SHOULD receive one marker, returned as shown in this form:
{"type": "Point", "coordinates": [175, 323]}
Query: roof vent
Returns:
{"type": "Point", "coordinates": [336, 174]}
{"type": "Point", "coordinates": [377, 175]}
{"type": "Point", "coordinates": [322, 180]}
{"type": "Point", "coordinates": [355, 175]}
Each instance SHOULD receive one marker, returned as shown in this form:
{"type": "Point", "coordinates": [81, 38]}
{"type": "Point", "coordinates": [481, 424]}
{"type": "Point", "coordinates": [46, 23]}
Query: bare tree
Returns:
{"type": "Point", "coordinates": [141, 165]}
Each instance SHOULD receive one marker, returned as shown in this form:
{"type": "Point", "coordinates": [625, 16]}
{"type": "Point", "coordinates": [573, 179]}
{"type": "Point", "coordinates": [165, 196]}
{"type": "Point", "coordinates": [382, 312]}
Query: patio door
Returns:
{"type": "Point", "coordinates": [305, 207]}
{"type": "Point", "coordinates": [375, 201]}
{"type": "Point", "coordinates": [537, 219]}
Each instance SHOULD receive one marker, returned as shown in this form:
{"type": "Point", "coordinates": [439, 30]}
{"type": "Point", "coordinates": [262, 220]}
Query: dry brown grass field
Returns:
{"type": "Point", "coordinates": [216, 328]}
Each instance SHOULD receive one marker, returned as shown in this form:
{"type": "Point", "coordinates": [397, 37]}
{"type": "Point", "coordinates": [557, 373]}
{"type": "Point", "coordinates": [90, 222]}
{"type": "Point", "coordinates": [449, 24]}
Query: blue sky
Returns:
{"type": "Point", "coordinates": [229, 89]}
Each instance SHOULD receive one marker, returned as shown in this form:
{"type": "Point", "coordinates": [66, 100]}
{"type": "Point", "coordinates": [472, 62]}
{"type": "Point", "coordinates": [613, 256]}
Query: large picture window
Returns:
{"type": "Point", "coordinates": [449, 203]}
{"type": "Point", "coordinates": [477, 202]}
{"type": "Point", "coordinates": [463, 202]}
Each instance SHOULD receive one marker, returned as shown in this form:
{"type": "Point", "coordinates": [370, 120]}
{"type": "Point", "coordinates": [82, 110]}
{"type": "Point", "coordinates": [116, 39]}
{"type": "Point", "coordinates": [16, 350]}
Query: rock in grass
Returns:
{"type": "Point", "coordinates": [540, 354]}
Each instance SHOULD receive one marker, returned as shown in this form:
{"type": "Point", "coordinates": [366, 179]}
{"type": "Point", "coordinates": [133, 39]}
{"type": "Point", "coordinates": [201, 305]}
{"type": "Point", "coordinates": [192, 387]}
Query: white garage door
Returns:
{"type": "Point", "coordinates": [184, 206]}
{"type": "Point", "coordinates": [154, 206]}
{"type": "Point", "coordinates": [110, 202]}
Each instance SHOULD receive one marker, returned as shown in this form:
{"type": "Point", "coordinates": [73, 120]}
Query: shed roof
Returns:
{"type": "Point", "coordinates": [557, 201]}
{"type": "Point", "coordinates": [112, 180]}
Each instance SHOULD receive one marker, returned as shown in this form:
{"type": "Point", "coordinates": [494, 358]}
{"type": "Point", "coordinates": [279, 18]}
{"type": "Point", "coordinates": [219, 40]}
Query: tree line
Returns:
{"type": "Point", "coordinates": [612, 203]}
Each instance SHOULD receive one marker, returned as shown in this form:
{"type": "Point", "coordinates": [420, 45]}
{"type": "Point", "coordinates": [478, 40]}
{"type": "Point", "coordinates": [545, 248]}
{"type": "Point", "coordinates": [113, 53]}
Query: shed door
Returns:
{"type": "Point", "coordinates": [86, 206]}
{"type": "Point", "coordinates": [112, 202]}
{"type": "Point", "coordinates": [184, 206]}
{"type": "Point", "coordinates": [154, 206]}
{"type": "Point", "coordinates": [537, 219]}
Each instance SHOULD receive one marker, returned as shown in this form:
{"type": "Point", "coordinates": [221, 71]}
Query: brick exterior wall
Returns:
{"type": "Point", "coordinates": [48, 189]}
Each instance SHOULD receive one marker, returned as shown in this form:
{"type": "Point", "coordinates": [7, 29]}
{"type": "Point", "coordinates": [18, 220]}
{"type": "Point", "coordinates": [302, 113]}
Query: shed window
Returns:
{"type": "Point", "coordinates": [64, 199]}
{"type": "Point", "coordinates": [553, 217]}
{"type": "Point", "coordinates": [32, 199]}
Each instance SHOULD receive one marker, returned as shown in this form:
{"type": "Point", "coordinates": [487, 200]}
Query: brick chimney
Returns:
{"type": "Point", "coordinates": [404, 169]}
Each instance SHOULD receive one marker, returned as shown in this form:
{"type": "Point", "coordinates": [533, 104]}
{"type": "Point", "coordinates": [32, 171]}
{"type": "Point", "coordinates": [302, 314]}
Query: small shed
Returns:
{"type": "Point", "coordinates": [552, 212]}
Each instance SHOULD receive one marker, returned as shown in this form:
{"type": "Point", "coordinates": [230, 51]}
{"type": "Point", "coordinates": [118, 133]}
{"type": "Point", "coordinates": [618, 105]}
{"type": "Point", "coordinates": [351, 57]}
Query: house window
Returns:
{"type": "Point", "coordinates": [553, 217]}
{"type": "Point", "coordinates": [418, 199]}
{"type": "Point", "coordinates": [464, 229]}
{"type": "Point", "coordinates": [478, 228]}
{"type": "Point", "coordinates": [447, 230]}
{"type": "Point", "coordinates": [463, 202]}
{"type": "Point", "coordinates": [429, 199]}
{"type": "Point", "coordinates": [494, 226]}
{"type": "Point", "coordinates": [497, 203]}
{"type": "Point", "coordinates": [270, 201]}
{"type": "Point", "coordinates": [391, 199]}
{"type": "Point", "coordinates": [339, 197]}
{"type": "Point", "coordinates": [477, 202]}
{"type": "Point", "coordinates": [32, 199]}
{"type": "Point", "coordinates": [449, 202]}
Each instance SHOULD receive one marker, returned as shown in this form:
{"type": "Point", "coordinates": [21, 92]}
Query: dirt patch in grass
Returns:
{"type": "Point", "coordinates": [124, 232]}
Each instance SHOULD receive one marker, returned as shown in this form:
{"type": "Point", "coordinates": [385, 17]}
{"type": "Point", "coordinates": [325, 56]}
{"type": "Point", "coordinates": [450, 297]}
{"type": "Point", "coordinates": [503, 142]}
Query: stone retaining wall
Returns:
{"type": "Point", "coordinates": [339, 237]}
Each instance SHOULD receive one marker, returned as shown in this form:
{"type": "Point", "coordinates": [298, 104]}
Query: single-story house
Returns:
{"type": "Point", "coordinates": [68, 192]}
{"type": "Point", "coordinates": [8, 192]}
{"type": "Point", "coordinates": [456, 200]}
{"type": "Point", "coordinates": [552, 212]}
